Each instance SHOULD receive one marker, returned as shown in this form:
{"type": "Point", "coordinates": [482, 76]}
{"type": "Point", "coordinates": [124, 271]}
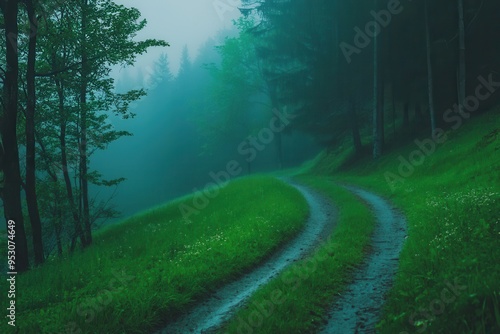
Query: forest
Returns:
{"type": "Point", "coordinates": [308, 167]}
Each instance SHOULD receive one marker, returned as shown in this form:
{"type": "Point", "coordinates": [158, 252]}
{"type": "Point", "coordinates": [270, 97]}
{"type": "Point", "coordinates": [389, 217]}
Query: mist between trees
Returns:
{"type": "Point", "coordinates": [66, 125]}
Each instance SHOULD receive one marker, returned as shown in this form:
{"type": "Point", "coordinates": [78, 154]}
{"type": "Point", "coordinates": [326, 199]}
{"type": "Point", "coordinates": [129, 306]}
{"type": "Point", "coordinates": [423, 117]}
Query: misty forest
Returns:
{"type": "Point", "coordinates": [250, 166]}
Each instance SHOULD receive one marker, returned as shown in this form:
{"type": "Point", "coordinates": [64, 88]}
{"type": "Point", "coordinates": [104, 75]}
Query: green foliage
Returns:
{"type": "Point", "coordinates": [151, 267]}
{"type": "Point", "coordinates": [452, 203]}
{"type": "Point", "coordinates": [239, 93]}
{"type": "Point", "coordinates": [78, 44]}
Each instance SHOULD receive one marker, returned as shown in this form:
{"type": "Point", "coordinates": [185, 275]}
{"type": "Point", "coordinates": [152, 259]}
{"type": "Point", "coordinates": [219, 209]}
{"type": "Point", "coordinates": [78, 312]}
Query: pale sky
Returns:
{"type": "Point", "coordinates": [181, 22]}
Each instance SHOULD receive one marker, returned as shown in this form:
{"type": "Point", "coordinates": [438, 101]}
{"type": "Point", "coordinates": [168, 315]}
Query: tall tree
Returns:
{"type": "Point", "coordinates": [100, 47]}
{"type": "Point", "coordinates": [461, 74]}
{"type": "Point", "coordinates": [11, 170]}
{"type": "Point", "coordinates": [160, 73]}
{"type": "Point", "coordinates": [84, 83]}
{"type": "Point", "coordinates": [430, 78]}
{"type": "Point", "coordinates": [377, 110]}
{"type": "Point", "coordinates": [30, 187]}
{"type": "Point", "coordinates": [81, 41]}
{"type": "Point", "coordinates": [239, 91]}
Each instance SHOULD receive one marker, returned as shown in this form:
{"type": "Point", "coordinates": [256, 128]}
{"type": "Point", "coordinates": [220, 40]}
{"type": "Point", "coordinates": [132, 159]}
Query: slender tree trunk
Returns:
{"type": "Point", "coordinates": [58, 237]}
{"type": "Point", "coordinates": [356, 138]}
{"type": "Point", "coordinates": [406, 116]}
{"type": "Point", "coordinates": [279, 148]}
{"type": "Point", "coordinates": [83, 143]}
{"type": "Point", "coordinates": [78, 231]}
{"type": "Point", "coordinates": [57, 213]}
{"type": "Point", "coordinates": [393, 80]}
{"type": "Point", "coordinates": [430, 79]}
{"type": "Point", "coordinates": [58, 225]}
{"type": "Point", "coordinates": [377, 136]}
{"type": "Point", "coordinates": [418, 118]}
{"type": "Point", "coordinates": [381, 103]}
{"type": "Point", "coordinates": [31, 196]}
{"type": "Point", "coordinates": [394, 130]}
{"type": "Point", "coordinates": [461, 55]}
{"type": "Point", "coordinates": [12, 175]}
{"type": "Point", "coordinates": [65, 170]}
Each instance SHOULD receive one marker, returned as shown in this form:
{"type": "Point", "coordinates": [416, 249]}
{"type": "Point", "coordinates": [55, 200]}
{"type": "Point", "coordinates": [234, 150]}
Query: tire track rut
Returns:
{"type": "Point", "coordinates": [358, 308]}
{"type": "Point", "coordinates": [208, 315]}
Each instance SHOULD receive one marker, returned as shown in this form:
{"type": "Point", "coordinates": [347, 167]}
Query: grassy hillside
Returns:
{"type": "Point", "coordinates": [151, 267]}
{"type": "Point", "coordinates": [155, 265]}
{"type": "Point", "coordinates": [296, 300]}
{"type": "Point", "coordinates": [449, 274]}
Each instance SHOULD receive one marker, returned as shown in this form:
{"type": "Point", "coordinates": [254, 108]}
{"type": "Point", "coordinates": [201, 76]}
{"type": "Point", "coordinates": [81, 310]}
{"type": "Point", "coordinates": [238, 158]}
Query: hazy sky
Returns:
{"type": "Point", "coordinates": [181, 22]}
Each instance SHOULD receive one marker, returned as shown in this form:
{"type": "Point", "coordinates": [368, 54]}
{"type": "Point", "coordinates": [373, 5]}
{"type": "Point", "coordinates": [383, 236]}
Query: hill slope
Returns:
{"type": "Point", "coordinates": [450, 193]}
{"type": "Point", "coordinates": [153, 266]}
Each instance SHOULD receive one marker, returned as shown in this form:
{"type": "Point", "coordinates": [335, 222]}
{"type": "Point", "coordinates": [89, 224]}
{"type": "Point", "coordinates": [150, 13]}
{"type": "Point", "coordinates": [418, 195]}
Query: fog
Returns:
{"type": "Point", "coordinates": [169, 153]}
{"type": "Point", "coordinates": [249, 166]}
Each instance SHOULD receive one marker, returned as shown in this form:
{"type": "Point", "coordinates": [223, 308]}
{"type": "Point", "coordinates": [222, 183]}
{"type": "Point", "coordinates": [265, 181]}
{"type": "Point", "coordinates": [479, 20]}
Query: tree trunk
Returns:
{"type": "Point", "coordinates": [57, 213]}
{"type": "Point", "coordinates": [377, 135]}
{"type": "Point", "coordinates": [406, 116]}
{"type": "Point", "coordinates": [461, 55]}
{"type": "Point", "coordinates": [12, 175]}
{"type": "Point", "coordinates": [430, 85]}
{"type": "Point", "coordinates": [279, 148]}
{"type": "Point", "coordinates": [393, 80]}
{"type": "Point", "coordinates": [58, 226]}
{"type": "Point", "coordinates": [31, 196]}
{"type": "Point", "coordinates": [394, 132]}
{"type": "Point", "coordinates": [418, 118]}
{"type": "Point", "coordinates": [381, 103]}
{"type": "Point", "coordinates": [83, 143]}
{"type": "Point", "coordinates": [65, 170]}
{"type": "Point", "coordinates": [356, 138]}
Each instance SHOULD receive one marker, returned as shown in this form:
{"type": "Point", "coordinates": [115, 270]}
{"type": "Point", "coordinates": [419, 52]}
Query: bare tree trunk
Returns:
{"type": "Point", "coordinates": [57, 213]}
{"type": "Point", "coordinates": [394, 132]}
{"type": "Point", "coordinates": [430, 79]}
{"type": "Point", "coordinates": [406, 116]}
{"type": "Point", "coordinates": [83, 144]}
{"type": "Point", "coordinates": [12, 174]}
{"type": "Point", "coordinates": [64, 163]}
{"type": "Point", "coordinates": [377, 135]}
{"type": "Point", "coordinates": [418, 117]}
{"type": "Point", "coordinates": [356, 138]}
{"type": "Point", "coordinates": [393, 89]}
{"type": "Point", "coordinates": [31, 196]}
{"type": "Point", "coordinates": [461, 55]}
{"type": "Point", "coordinates": [58, 226]}
{"type": "Point", "coordinates": [381, 103]}
{"type": "Point", "coordinates": [279, 148]}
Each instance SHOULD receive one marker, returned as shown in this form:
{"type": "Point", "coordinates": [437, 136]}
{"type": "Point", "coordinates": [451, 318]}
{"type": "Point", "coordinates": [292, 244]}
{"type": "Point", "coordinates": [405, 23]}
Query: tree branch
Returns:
{"type": "Point", "coordinates": [64, 69]}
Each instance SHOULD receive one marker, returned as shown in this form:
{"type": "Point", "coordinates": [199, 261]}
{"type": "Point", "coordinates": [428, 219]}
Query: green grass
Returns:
{"type": "Point", "coordinates": [452, 203]}
{"type": "Point", "coordinates": [153, 266]}
{"type": "Point", "coordinates": [296, 300]}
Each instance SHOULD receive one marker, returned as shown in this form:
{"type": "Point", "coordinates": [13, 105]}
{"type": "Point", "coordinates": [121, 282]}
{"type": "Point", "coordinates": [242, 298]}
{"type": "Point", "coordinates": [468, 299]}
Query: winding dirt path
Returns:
{"type": "Point", "coordinates": [211, 313]}
{"type": "Point", "coordinates": [358, 309]}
